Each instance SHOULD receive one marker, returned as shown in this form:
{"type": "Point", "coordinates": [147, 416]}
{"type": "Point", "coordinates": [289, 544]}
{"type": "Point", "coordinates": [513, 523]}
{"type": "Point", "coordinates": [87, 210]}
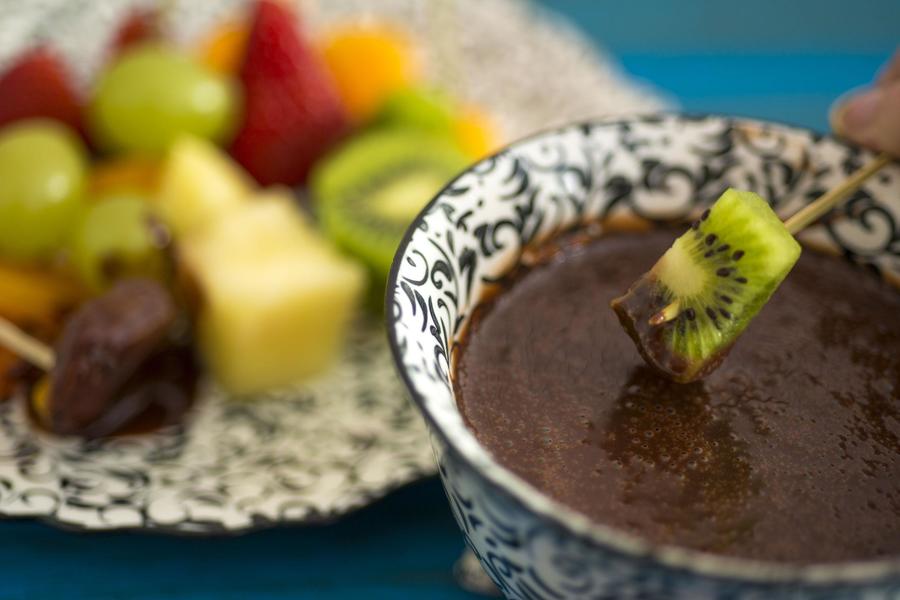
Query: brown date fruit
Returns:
{"type": "Point", "coordinates": [104, 344]}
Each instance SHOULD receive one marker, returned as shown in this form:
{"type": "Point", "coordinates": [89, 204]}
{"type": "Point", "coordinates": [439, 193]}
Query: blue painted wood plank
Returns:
{"type": "Point", "coordinates": [691, 26]}
{"type": "Point", "coordinates": [794, 88]}
{"type": "Point", "coordinates": [403, 546]}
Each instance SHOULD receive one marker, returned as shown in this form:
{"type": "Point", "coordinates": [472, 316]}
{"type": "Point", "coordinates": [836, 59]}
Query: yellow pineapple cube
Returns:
{"type": "Point", "coordinates": [277, 297]}
{"type": "Point", "coordinates": [199, 184]}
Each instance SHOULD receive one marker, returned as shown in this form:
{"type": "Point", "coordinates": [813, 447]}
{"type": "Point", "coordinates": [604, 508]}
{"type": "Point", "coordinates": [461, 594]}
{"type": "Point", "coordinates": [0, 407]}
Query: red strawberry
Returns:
{"type": "Point", "coordinates": [141, 25]}
{"type": "Point", "coordinates": [37, 85]}
{"type": "Point", "coordinates": [292, 112]}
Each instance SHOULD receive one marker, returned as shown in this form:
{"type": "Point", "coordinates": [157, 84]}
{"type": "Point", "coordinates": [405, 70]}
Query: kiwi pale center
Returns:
{"type": "Point", "coordinates": [684, 276]}
{"type": "Point", "coordinates": [401, 198]}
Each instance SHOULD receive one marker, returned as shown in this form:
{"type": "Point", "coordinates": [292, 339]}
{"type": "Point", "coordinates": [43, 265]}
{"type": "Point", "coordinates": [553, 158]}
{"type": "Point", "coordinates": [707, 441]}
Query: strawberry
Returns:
{"type": "Point", "coordinates": [37, 85]}
{"type": "Point", "coordinates": [141, 25]}
{"type": "Point", "coordinates": [292, 111]}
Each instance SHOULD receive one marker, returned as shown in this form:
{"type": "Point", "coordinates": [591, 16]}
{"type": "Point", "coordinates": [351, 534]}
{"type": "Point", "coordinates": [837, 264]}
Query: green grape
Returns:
{"type": "Point", "coordinates": [117, 237]}
{"type": "Point", "coordinates": [42, 177]}
{"type": "Point", "coordinates": [154, 94]}
{"type": "Point", "coordinates": [418, 108]}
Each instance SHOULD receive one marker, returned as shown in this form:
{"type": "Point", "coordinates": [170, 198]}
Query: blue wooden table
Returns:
{"type": "Point", "coordinates": [766, 58]}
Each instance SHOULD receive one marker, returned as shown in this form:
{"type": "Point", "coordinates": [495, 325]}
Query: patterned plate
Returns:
{"type": "Point", "coordinates": [317, 452]}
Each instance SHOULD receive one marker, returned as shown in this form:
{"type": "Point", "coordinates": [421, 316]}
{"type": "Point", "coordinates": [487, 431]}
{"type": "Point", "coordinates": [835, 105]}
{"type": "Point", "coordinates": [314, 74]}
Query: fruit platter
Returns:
{"type": "Point", "coordinates": [198, 211]}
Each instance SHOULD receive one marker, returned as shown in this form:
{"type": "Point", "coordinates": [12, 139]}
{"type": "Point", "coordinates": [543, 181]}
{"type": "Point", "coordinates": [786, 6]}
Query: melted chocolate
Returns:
{"type": "Point", "coordinates": [790, 451]}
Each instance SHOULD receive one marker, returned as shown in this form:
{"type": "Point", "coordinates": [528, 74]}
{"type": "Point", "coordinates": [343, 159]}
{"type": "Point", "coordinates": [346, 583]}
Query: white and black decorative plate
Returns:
{"type": "Point", "coordinates": [316, 452]}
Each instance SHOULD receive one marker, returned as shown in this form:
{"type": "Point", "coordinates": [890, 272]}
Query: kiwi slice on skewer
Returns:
{"type": "Point", "coordinates": [686, 312]}
{"type": "Point", "coordinates": [369, 190]}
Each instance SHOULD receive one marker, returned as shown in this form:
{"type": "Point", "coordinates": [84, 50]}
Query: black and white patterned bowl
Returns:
{"type": "Point", "coordinates": [658, 168]}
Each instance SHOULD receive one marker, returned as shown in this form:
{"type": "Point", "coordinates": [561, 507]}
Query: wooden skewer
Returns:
{"type": "Point", "coordinates": [805, 216]}
{"type": "Point", "coordinates": [811, 212]}
{"type": "Point", "coordinates": [26, 346]}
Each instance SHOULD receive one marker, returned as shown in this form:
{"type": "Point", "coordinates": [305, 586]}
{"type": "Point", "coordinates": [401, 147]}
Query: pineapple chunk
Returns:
{"type": "Point", "coordinates": [277, 297]}
{"type": "Point", "coordinates": [199, 184]}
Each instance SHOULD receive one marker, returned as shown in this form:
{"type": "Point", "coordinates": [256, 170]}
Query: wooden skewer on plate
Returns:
{"type": "Point", "coordinates": [805, 216]}
{"type": "Point", "coordinates": [26, 346]}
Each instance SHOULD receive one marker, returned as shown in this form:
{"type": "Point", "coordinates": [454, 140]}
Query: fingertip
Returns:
{"type": "Point", "coordinates": [836, 116]}
{"type": "Point", "coordinates": [854, 116]}
{"type": "Point", "coordinates": [890, 72]}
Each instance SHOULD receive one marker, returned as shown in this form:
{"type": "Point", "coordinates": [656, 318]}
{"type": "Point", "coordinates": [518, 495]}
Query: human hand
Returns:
{"type": "Point", "coordinates": [871, 117]}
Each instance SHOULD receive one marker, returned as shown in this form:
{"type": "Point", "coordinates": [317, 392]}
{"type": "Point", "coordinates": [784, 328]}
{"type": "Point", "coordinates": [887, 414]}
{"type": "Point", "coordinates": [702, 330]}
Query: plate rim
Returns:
{"type": "Point", "coordinates": [214, 529]}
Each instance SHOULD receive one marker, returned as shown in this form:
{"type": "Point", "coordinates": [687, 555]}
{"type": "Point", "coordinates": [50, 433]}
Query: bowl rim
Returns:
{"type": "Point", "coordinates": [573, 523]}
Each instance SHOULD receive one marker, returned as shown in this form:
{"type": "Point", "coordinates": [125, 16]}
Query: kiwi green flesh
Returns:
{"type": "Point", "coordinates": [721, 273]}
{"type": "Point", "coordinates": [368, 192]}
{"type": "Point", "coordinates": [403, 196]}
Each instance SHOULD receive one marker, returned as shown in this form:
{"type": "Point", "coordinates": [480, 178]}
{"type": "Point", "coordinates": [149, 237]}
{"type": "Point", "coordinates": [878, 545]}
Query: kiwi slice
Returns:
{"type": "Point", "coordinates": [369, 190]}
{"type": "Point", "coordinates": [687, 311]}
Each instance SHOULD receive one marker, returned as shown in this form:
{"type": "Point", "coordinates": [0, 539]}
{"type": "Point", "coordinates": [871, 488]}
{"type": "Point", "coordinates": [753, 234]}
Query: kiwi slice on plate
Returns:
{"type": "Point", "coordinates": [369, 190]}
{"type": "Point", "coordinates": [687, 311]}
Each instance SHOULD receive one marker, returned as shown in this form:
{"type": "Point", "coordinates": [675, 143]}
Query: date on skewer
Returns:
{"type": "Point", "coordinates": [118, 357]}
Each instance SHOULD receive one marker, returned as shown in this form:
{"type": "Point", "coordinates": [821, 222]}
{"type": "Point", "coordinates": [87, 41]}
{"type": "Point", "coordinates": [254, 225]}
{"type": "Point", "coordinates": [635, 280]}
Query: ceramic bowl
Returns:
{"type": "Point", "coordinates": [659, 168]}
